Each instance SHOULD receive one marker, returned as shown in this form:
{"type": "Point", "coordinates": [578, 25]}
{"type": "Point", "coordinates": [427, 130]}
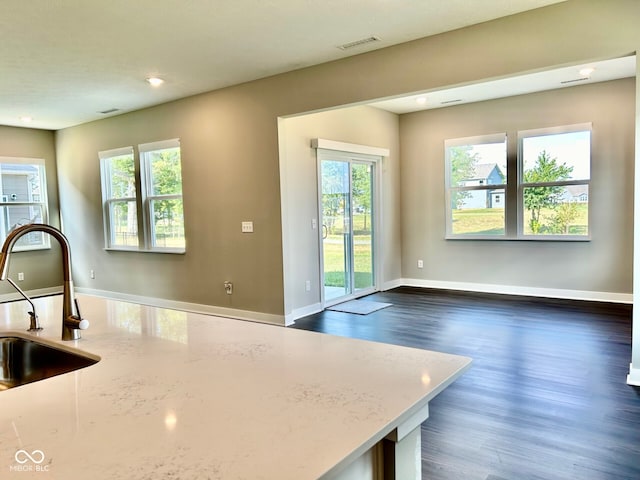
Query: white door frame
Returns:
{"type": "Point", "coordinates": [357, 154]}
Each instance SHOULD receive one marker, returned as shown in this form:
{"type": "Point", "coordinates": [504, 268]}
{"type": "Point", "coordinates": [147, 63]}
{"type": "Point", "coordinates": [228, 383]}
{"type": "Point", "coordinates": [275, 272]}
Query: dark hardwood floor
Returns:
{"type": "Point", "coordinates": [546, 396]}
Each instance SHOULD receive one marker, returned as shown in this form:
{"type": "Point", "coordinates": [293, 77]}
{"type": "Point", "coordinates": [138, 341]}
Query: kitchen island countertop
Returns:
{"type": "Point", "coordinates": [180, 395]}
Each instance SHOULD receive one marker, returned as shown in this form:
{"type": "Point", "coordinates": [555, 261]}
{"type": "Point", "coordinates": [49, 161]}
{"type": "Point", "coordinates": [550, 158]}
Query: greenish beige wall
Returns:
{"type": "Point", "coordinates": [602, 265]}
{"type": "Point", "coordinates": [42, 267]}
{"type": "Point", "coordinates": [231, 152]}
{"type": "Point", "coordinates": [299, 191]}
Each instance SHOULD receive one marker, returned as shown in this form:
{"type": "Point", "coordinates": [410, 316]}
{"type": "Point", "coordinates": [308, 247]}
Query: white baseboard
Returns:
{"type": "Point", "coordinates": [398, 282]}
{"type": "Point", "coordinates": [290, 318]}
{"type": "Point", "coordinates": [634, 376]}
{"type": "Point", "coordinates": [38, 292]}
{"type": "Point", "coordinates": [609, 297]}
{"type": "Point", "coordinates": [302, 312]}
{"type": "Point", "coordinates": [188, 307]}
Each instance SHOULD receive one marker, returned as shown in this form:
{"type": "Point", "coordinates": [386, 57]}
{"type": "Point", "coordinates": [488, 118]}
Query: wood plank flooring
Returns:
{"type": "Point", "coordinates": [546, 397]}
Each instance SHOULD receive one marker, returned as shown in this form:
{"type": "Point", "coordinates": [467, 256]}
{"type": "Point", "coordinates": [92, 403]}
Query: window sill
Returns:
{"type": "Point", "coordinates": [528, 238]}
{"type": "Point", "coordinates": [174, 251]}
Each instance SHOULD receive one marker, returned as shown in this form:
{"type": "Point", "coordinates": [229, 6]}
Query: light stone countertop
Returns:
{"type": "Point", "coordinates": [190, 396]}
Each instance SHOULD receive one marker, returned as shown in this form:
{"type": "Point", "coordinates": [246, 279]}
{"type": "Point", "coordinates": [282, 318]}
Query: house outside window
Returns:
{"type": "Point", "coordinates": [142, 198]}
{"type": "Point", "coordinates": [23, 200]}
{"type": "Point", "coordinates": [476, 171]}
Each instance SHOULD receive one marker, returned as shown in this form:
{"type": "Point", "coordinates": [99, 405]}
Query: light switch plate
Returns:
{"type": "Point", "coordinates": [247, 227]}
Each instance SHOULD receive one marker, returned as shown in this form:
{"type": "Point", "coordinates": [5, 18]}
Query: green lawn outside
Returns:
{"type": "Point", "coordinates": [481, 221]}
{"type": "Point", "coordinates": [490, 221]}
{"type": "Point", "coordinates": [579, 226]}
{"type": "Point", "coordinates": [334, 254]}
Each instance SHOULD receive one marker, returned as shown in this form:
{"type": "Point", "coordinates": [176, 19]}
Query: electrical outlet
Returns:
{"type": "Point", "coordinates": [228, 288]}
{"type": "Point", "coordinates": [420, 264]}
{"type": "Point", "coordinates": [307, 285]}
{"type": "Point", "coordinates": [92, 274]}
{"type": "Point", "coordinates": [20, 276]}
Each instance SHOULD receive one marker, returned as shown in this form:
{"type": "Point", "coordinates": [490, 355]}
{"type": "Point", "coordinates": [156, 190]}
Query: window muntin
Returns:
{"type": "Point", "coordinates": [154, 190]}
{"type": "Point", "coordinates": [476, 170]}
{"type": "Point", "coordinates": [23, 200]}
{"type": "Point", "coordinates": [555, 174]}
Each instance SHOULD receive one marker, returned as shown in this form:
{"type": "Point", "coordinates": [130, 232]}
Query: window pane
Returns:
{"type": "Point", "coordinates": [484, 217]}
{"type": "Point", "coordinates": [18, 215]}
{"type": "Point", "coordinates": [21, 183]}
{"type": "Point", "coordinates": [122, 183]}
{"type": "Point", "coordinates": [166, 176]}
{"type": "Point", "coordinates": [557, 157]}
{"type": "Point", "coordinates": [479, 164]}
{"type": "Point", "coordinates": [556, 210]}
{"type": "Point", "coordinates": [124, 223]}
{"type": "Point", "coordinates": [168, 224]}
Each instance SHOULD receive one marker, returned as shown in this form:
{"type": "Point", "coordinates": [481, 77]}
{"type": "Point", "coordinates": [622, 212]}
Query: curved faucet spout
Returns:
{"type": "Point", "coordinates": [72, 322]}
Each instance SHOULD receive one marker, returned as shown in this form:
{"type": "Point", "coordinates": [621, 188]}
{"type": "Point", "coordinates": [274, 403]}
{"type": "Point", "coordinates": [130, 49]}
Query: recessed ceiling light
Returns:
{"type": "Point", "coordinates": [26, 119]}
{"type": "Point", "coordinates": [421, 100]}
{"type": "Point", "coordinates": [155, 81]}
{"type": "Point", "coordinates": [586, 72]}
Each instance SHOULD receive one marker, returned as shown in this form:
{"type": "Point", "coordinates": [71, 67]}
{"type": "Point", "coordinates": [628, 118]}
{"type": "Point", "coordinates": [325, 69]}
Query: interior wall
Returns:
{"type": "Point", "coordinates": [42, 268]}
{"type": "Point", "coordinates": [299, 190]}
{"type": "Point", "coordinates": [603, 264]}
{"type": "Point", "coordinates": [230, 147]}
{"type": "Point", "coordinates": [230, 175]}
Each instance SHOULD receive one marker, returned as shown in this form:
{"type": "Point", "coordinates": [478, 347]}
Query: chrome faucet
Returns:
{"type": "Point", "coordinates": [72, 321]}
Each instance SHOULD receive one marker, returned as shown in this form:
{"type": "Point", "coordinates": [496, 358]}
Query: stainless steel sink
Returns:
{"type": "Point", "coordinates": [25, 359]}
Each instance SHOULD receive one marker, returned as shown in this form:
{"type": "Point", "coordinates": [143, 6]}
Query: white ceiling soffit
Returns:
{"type": "Point", "coordinates": [66, 61]}
{"type": "Point", "coordinates": [603, 71]}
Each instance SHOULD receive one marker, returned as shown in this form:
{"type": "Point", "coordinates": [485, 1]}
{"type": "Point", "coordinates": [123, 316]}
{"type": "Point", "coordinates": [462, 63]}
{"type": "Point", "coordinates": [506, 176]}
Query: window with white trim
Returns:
{"type": "Point", "coordinates": [476, 180]}
{"type": "Point", "coordinates": [545, 197]}
{"type": "Point", "coordinates": [23, 200]}
{"type": "Point", "coordinates": [554, 180]}
{"type": "Point", "coordinates": [151, 185]}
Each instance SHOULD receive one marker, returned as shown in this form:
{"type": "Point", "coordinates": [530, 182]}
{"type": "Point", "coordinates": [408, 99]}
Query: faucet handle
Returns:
{"type": "Point", "coordinates": [77, 323]}
{"type": "Point", "coordinates": [83, 323]}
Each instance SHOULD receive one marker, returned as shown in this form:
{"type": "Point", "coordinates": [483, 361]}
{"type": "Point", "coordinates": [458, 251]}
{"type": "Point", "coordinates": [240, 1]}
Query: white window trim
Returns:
{"type": "Point", "coordinates": [142, 199]}
{"type": "Point", "coordinates": [147, 198]}
{"type": "Point", "coordinates": [556, 130]}
{"type": "Point", "coordinates": [43, 203]}
{"type": "Point", "coordinates": [108, 200]}
{"type": "Point", "coordinates": [459, 142]}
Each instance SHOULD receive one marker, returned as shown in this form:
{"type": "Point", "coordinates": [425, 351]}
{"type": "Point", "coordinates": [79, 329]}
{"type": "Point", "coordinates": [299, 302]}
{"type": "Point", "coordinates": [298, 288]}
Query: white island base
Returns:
{"type": "Point", "coordinates": [179, 395]}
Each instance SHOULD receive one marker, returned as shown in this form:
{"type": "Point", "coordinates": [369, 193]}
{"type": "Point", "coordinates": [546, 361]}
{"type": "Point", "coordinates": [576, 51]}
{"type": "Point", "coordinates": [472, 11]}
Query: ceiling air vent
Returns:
{"type": "Point", "coordinates": [111, 110]}
{"type": "Point", "coordinates": [584, 79]}
{"type": "Point", "coordinates": [358, 43]}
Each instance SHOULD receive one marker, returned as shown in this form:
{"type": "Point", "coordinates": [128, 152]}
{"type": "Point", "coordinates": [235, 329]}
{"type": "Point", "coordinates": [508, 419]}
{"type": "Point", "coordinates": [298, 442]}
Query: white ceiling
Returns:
{"type": "Point", "coordinates": [571, 76]}
{"type": "Point", "coordinates": [64, 61]}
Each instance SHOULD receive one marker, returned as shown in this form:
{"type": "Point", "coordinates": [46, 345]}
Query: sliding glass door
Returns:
{"type": "Point", "coordinates": [347, 193]}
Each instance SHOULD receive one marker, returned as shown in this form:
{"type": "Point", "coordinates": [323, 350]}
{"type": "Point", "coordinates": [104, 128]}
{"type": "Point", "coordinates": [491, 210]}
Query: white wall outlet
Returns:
{"type": "Point", "coordinates": [92, 274]}
{"type": "Point", "coordinates": [420, 264]}
{"type": "Point", "coordinates": [20, 276]}
{"type": "Point", "coordinates": [307, 285]}
{"type": "Point", "coordinates": [228, 288]}
{"type": "Point", "coordinates": [247, 227]}
{"type": "Point", "coordinates": [314, 223]}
